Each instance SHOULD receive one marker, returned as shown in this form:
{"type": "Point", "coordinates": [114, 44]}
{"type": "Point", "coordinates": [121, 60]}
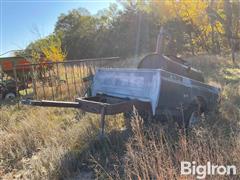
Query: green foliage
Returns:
{"type": "Point", "coordinates": [111, 32]}
{"type": "Point", "coordinates": [77, 28]}
{"type": "Point", "coordinates": [50, 47]}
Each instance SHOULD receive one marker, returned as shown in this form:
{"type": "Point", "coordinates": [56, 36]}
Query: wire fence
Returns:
{"type": "Point", "coordinates": [57, 80]}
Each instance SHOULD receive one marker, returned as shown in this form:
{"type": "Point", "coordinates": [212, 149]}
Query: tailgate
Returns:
{"type": "Point", "coordinates": [135, 84]}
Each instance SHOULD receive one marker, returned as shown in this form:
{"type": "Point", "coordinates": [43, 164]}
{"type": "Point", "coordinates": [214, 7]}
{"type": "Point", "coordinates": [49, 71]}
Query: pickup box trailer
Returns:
{"type": "Point", "coordinates": [150, 90]}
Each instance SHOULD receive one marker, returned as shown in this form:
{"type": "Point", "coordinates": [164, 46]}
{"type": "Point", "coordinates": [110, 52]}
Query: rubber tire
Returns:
{"type": "Point", "coordinates": [10, 95]}
{"type": "Point", "coordinates": [195, 109]}
{"type": "Point", "coordinates": [194, 119]}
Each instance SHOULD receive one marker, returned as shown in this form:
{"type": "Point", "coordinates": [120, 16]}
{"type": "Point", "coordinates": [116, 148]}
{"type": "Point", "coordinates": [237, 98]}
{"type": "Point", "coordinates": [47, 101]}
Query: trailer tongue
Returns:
{"type": "Point", "coordinates": [95, 104]}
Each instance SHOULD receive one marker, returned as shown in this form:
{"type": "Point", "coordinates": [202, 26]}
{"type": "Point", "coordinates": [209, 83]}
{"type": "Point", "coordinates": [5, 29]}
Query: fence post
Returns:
{"type": "Point", "coordinates": [15, 78]}
{"type": "Point", "coordinates": [66, 77]}
{"type": "Point", "coordinates": [34, 83]}
{"type": "Point", "coordinates": [59, 81]}
{"type": "Point", "coordinates": [25, 83]}
{"type": "Point", "coordinates": [51, 82]}
{"type": "Point", "coordinates": [74, 79]}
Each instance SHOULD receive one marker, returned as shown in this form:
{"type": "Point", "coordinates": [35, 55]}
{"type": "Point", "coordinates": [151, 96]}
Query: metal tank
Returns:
{"type": "Point", "coordinates": [172, 64]}
{"type": "Point", "coordinates": [169, 63]}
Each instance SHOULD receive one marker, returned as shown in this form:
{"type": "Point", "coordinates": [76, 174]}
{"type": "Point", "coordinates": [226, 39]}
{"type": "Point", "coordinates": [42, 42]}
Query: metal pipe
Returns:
{"type": "Point", "coordinates": [46, 103]}
{"type": "Point", "coordinates": [70, 61]}
{"type": "Point", "coordinates": [160, 41]}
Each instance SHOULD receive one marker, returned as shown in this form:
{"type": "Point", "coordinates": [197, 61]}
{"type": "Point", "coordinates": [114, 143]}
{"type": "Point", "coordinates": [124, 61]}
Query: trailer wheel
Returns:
{"type": "Point", "coordinates": [9, 96]}
{"type": "Point", "coordinates": [194, 112]}
{"type": "Point", "coordinates": [194, 119]}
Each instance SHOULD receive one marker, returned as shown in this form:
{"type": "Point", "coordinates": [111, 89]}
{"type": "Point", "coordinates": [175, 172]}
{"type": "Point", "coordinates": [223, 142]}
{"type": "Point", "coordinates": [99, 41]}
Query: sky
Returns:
{"type": "Point", "coordinates": [23, 21]}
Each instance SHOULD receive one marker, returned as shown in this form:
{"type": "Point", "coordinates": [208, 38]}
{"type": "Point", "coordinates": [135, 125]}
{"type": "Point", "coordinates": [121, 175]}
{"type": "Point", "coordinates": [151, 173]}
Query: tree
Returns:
{"type": "Point", "coordinates": [227, 14]}
{"type": "Point", "coordinates": [50, 47]}
{"type": "Point", "coordinates": [78, 30]}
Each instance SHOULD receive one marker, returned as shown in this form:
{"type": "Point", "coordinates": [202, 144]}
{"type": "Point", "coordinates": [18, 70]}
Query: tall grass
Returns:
{"type": "Point", "coordinates": [52, 143]}
{"type": "Point", "coordinates": [158, 154]}
{"type": "Point", "coordinates": [46, 143]}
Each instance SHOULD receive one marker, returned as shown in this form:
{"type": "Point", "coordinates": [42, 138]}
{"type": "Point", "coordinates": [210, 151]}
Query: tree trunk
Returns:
{"type": "Point", "coordinates": [212, 32]}
{"type": "Point", "coordinates": [191, 43]}
{"type": "Point", "coordinates": [228, 27]}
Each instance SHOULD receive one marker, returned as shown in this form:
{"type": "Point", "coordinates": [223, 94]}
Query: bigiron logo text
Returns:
{"type": "Point", "coordinates": [201, 171]}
